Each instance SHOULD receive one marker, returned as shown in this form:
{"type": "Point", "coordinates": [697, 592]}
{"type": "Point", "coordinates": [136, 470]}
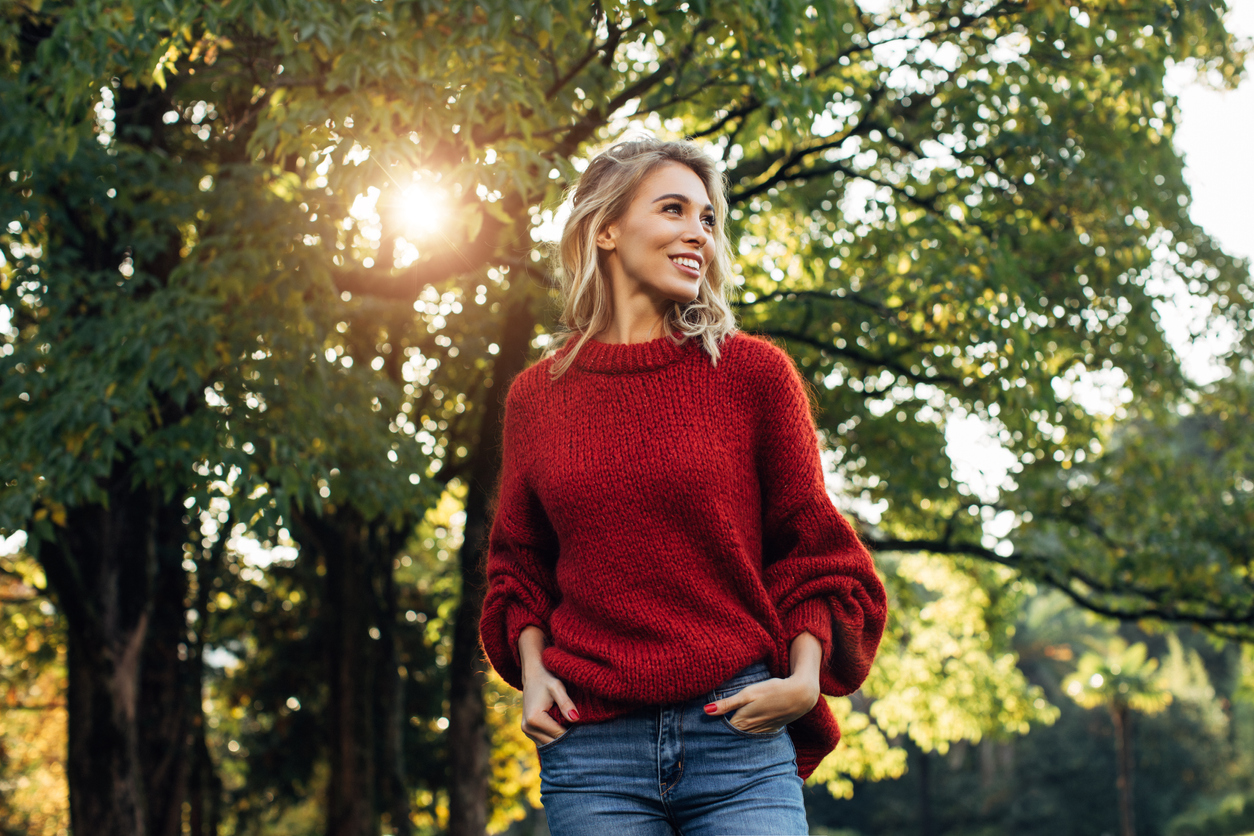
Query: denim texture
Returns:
{"type": "Point", "coordinates": [673, 769]}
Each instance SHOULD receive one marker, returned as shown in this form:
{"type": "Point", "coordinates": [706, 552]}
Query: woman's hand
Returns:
{"type": "Point", "coordinates": [541, 691]}
{"type": "Point", "coordinates": [767, 706]}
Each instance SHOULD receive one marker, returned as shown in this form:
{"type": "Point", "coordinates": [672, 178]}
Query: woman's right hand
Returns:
{"type": "Point", "coordinates": [541, 691]}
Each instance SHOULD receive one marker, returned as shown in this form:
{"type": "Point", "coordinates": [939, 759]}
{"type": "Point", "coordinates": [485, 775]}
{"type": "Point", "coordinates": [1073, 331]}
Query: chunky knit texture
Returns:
{"type": "Point", "coordinates": [665, 522]}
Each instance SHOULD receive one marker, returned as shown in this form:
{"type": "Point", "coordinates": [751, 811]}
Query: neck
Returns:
{"type": "Point", "coordinates": [638, 312]}
{"type": "Point", "coordinates": [625, 329]}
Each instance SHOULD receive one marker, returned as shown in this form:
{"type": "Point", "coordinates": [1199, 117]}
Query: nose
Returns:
{"type": "Point", "coordinates": [697, 234]}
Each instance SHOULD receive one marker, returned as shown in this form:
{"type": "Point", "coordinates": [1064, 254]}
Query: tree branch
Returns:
{"type": "Point", "coordinates": [453, 260]}
{"type": "Point", "coordinates": [1038, 568]}
{"type": "Point", "coordinates": [860, 357]}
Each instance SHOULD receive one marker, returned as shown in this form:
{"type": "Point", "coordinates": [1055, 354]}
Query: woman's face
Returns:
{"type": "Point", "coordinates": [663, 244]}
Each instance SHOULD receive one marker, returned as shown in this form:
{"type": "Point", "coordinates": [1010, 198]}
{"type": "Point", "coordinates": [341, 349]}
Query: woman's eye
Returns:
{"type": "Point", "coordinates": [708, 220]}
{"type": "Point", "coordinates": [673, 207]}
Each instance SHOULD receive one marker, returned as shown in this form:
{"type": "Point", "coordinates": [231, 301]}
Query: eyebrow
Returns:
{"type": "Point", "coordinates": [709, 207]}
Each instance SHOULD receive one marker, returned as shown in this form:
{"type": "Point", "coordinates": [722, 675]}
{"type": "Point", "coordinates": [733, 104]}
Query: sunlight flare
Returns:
{"type": "Point", "coordinates": [420, 210]}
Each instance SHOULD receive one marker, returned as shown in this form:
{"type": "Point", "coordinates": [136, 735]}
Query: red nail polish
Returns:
{"type": "Point", "coordinates": [574, 715]}
{"type": "Point", "coordinates": [711, 708]}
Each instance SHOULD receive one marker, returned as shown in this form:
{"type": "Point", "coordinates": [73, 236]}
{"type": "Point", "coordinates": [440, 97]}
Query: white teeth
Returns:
{"type": "Point", "coordinates": [691, 263]}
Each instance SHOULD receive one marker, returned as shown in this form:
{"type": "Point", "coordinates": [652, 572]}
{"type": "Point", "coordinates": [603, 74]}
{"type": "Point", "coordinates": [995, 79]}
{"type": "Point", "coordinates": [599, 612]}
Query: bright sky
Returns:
{"type": "Point", "coordinates": [1215, 135]}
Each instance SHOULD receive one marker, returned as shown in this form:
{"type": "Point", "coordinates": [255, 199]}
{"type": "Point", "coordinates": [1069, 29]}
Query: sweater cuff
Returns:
{"type": "Point", "coordinates": [811, 616]}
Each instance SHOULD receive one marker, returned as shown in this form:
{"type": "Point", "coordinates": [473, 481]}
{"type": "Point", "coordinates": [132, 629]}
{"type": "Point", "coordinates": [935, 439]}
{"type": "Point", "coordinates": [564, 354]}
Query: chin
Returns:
{"type": "Point", "coordinates": [682, 295]}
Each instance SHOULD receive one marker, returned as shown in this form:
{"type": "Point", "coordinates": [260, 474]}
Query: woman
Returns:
{"type": "Point", "coordinates": [668, 582]}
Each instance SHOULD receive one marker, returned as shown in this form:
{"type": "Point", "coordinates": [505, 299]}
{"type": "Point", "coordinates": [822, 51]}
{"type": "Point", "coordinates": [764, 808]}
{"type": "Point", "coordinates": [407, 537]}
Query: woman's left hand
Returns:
{"type": "Point", "coordinates": [768, 706]}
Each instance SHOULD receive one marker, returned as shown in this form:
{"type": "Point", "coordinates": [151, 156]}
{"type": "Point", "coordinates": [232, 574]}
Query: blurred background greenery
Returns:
{"type": "Point", "coordinates": [267, 269]}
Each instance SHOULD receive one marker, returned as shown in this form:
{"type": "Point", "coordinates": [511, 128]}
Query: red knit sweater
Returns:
{"type": "Point", "coordinates": [665, 522]}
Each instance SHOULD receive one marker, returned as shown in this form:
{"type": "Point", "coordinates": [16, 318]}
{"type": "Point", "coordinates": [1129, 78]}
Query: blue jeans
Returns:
{"type": "Point", "coordinates": [673, 769]}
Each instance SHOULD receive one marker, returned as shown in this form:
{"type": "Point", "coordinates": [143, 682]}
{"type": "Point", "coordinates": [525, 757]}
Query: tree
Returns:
{"type": "Point", "coordinates": [946, 672]}
{"type": "Point", "coordinates": [155, 312]}
{"type": "Point", "coordinates": [1122, 680]}
{"type": "Point", "coordinates": [1059, 777]}
{"type": "Point", "coordinates": [1160, 517]}
{"type": "Point", "coordinates": [942, 209]}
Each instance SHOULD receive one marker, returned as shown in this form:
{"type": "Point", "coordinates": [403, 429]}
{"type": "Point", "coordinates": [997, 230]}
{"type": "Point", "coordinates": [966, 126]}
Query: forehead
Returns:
{"type": "Point", "coordinates": [673, 178]}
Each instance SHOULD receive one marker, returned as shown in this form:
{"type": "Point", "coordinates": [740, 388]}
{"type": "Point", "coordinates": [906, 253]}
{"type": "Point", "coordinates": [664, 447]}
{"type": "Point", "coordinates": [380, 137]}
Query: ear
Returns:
{"type": "Point", "coordinates": [607, 238]}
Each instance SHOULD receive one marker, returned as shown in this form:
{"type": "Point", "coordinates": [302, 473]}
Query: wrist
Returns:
{"type": "Point", "coordinates": [530, 653]}
{"type": "Point", "coordinates": [805, 686]}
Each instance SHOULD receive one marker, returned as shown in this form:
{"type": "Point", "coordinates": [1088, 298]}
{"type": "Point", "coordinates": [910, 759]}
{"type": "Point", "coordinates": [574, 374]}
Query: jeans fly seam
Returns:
{"type": "Point", "coordinates": [679, 769]}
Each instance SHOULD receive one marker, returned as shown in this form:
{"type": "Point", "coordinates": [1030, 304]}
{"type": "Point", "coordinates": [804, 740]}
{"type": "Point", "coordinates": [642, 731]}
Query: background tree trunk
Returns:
{"type": "Point", "coordinates": [390, 687]}
{"type": "Point", "coordinates": [106, 569]}
{"type": "Point", "coordinates": [204, 786]}
{"type": "Point", "coordinates": [1122, 718]}
{"type": "Point", "coordinates": [167, 680]}
{"type": "Point", "coordinates": [927, 826]}
{"type": "Point", "coordinates": [468, 742]}
{"type": "Point", "coordinates": [103, 769]}
{"type": "Point", "coordinates": [339, 539]}
{"type": "Point", "coordinates": [364, 712]}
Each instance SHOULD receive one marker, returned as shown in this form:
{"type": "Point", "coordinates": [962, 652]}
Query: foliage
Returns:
{"type": "Point", "coordinates": [946, 671]}
{"type": "Point", "coordinates": [265, 630]}
{"type": "Point", "coordinates": [1060, 777]}
{"type": "Point", "coordinates": [865, 754]}
{"type": "Point", "coordinates": [515, 771]}
{"type": "Point", "coordinates": [1118, 674]}
{"type": "Point", "coordinates": [1162, 515]}
{"type": "Point", "coordinates": [955, 680]}
{"type": "Point", "coordinates": [33, 798]}
{"type": "Point", "coordinates": [154, 298]}
{"type": "Point", "coordinates": [1231, 816]}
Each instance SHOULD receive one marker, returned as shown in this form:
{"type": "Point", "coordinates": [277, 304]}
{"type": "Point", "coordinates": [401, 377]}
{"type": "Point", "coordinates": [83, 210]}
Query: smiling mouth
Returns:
{"type": "Point", "coordinates": [688, 263]}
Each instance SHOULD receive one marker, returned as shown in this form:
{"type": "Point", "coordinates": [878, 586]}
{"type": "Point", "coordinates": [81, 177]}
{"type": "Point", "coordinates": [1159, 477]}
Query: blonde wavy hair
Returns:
{"type": "Point", "coordinates": [601, 197]}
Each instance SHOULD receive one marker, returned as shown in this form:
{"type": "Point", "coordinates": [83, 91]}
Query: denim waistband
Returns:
{"type": "Point", "coordinates": [755, 672]}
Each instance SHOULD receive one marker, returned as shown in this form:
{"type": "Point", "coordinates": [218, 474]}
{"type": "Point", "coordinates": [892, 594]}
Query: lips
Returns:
{"type": "Point", "coordinates": [689, 265]}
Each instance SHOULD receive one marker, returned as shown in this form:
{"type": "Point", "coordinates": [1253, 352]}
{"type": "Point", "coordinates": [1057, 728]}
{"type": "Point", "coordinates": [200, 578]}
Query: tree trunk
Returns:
{"type": "Point", "coordinates": [166, 682]}
{"type": "Point", "coordinates": [390, 687]}
{"type": "Point", "coordinates": [103, 770]}
{"type": "Point", "coordinates": [204, 785]}
{"type": "Point", "coordinates": [340, 541]}
{"type": "Point", "coordinates": [926, 826]}
{"type": "Point", "coordinates": [106, 569]}
{"type": "Point", "coordinates": [205, 788]}
{"type": "Point", "coordinates": [468, 742]}
{"type": "Point", "coordinates": [1122, 718]}
{"type": "Point", "coordinates": [364, 712]}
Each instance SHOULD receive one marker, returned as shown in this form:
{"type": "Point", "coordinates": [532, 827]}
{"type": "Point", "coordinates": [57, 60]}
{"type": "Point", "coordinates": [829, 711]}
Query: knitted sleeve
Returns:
{"type": "Point", "coordinates": [522, 552]}
{"type": "Point", "coordinates": [816, 570]}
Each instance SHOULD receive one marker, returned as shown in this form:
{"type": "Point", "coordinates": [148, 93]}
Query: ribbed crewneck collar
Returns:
{"type": "Point", "coordinates": [629, 358]}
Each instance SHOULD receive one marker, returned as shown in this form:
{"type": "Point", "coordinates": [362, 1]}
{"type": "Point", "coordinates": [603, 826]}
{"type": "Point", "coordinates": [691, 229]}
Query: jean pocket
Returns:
{"type": "Point", "coordinates": [544, 747]}
{"type": "Point", "coordinates": [749, 676]}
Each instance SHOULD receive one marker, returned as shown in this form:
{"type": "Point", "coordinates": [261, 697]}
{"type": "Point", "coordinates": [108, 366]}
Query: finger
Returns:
{"type": "Point", "coordinates": [756, 727]}
{"type": "Point", "coordinates": [564, 703]}
{"type": "Point", "coordinates": [753, 717]}
{"type": "Point", "coordinates": [720, 707]}
{"type": "Point", "coordinates": [541, 723]}
{"type": "Point", "coordinates": [538, 739]}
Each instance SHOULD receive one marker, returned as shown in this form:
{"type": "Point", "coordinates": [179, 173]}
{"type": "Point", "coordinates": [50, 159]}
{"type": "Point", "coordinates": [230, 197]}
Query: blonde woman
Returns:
{"type": "Point", "coordinates": [668, 582]}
